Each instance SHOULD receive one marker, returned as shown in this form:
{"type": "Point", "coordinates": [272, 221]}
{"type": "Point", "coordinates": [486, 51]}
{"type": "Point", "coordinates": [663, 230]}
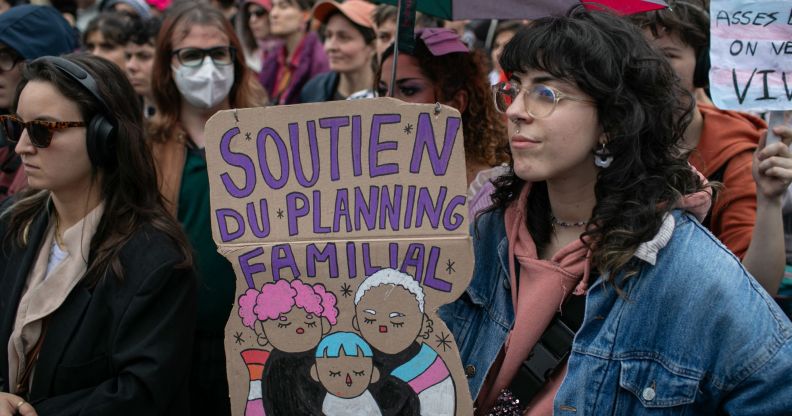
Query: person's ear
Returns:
{"type": "Point", "coordinates": [459, 101]}
{"type": "Point", "coordinates": [355, 323]}
{"type": "Point", "coordinates": [603, 139]}
{"type": "Point", "coordinates": [426, 327]}
{"type": "Point", "coordinates": [375, 374]}
{"type": "Point", "coordinates": [315, 373]}
{"type": "Point", "coordinates": [326, 327]}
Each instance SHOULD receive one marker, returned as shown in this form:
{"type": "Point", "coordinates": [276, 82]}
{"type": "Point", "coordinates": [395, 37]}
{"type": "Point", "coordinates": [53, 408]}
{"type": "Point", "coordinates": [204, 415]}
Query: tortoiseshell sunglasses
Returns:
{"type": "Point", "coordinates": [39, 131]}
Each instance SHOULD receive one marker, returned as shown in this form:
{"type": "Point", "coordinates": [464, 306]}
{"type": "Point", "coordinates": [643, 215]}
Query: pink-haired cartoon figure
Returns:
{"type": "Point", "coordinates": [292, 317]}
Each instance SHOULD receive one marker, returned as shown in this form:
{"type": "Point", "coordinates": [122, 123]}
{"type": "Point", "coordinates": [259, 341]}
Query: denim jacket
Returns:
{"type": "Point", "coordinates": [696, 334]}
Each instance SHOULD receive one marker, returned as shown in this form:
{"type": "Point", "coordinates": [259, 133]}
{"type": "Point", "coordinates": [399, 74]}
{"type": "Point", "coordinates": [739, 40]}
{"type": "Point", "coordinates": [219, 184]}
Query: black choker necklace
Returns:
{"type": "Point", "coordinates": [555, 221]}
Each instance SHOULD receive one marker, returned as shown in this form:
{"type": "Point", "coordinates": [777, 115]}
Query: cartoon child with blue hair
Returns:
{"type": "Point", "coordinates": [344, 366]}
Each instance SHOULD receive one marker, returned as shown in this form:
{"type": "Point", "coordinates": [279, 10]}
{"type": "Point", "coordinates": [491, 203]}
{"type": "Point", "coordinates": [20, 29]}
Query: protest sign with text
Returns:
{"type": "Point", "coordinates": [346, 223]}
{"type": "Point", "coordinates": [751, 54]}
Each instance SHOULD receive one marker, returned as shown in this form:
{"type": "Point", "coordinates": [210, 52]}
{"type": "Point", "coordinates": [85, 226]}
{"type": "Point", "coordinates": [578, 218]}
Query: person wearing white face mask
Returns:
{"type": "Point", "coordinates": [199, 70]}
{"type": "Point", "coordinates": [204, 83]}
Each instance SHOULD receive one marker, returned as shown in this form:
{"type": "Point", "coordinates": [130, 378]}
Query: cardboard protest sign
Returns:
{"type": "Point", "coordinates": [346, 223]}
{"type": "Point", "coordinates": [751, 53]}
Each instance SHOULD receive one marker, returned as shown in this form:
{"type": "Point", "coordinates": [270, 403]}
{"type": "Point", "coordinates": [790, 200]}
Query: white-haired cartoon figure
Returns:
{"type": "Point", "coordinates": [389, 314]}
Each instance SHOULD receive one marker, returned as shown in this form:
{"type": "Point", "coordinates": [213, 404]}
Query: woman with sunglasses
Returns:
{"type": "Point", "coordinates": [595, 287]}
{"type": "Point", "coordinates": [441, 69]}
{"type": "Point", "coordinates": [199, 70]}
{"type": "Point", "coordinates": [97, 291]}
{"type": "Point", "coordinates": [252, 25]}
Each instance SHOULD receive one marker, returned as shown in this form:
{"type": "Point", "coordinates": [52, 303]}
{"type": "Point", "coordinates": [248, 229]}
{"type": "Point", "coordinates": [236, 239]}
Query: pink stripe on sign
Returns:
{"type": "Point", "coordinates": [436, 373]}
{"type": "Point", "coordinates": [254, 408]}
{"type": "Point", "coordinates": [724, 76]}
{"type": "Point", "coordinates": [775, 32]}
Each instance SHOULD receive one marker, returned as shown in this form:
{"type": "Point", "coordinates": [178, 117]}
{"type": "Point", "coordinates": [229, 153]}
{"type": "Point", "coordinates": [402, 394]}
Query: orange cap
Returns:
{"type": "Point", "coordinates": [358, 11]}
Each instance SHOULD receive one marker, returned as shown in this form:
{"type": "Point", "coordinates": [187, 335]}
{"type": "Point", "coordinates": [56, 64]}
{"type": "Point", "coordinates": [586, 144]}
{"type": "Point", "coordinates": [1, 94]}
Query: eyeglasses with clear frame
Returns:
{"type": "Point", "coordinates": [39, 131]}
{"type": "Point", "coordinates": [194, 57]}
{"type": "Point", "coordinates": [540, 100]}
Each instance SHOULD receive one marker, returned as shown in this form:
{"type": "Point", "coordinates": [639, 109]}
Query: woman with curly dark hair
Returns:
{"type": "Point", "coordinates": [594, 220]}
{"type": "Point", "coordinates": [441, 69]}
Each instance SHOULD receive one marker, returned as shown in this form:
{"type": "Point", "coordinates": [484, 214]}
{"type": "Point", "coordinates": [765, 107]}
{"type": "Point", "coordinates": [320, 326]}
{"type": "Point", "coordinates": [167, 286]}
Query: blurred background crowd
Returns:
{"type": "Point", "coordinates": [188, 59]}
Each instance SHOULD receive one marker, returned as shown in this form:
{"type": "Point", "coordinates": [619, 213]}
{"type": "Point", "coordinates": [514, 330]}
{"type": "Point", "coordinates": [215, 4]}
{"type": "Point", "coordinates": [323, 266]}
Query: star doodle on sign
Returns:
{"type": "Point", "coordinates": [450, 266]}
{"type": "Point", "coordinates": [247, 136]}
{"type": "Point", "coordinates": [346, 290]}
{"type": "Point", "coordinates": [443, 340]}
{"type": "Point", "coordinates": [408, 128]}
{"type": "Point", "coordinates": [238, 338]}
{"type": "Point", "coordinates": [279, 213]}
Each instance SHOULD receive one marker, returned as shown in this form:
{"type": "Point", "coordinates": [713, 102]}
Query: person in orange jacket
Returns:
{"type": "Point", "coordinates": [728, 147]}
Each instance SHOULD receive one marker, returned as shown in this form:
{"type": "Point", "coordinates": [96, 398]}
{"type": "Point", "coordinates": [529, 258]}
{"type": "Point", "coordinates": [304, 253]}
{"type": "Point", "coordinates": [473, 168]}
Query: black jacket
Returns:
{"type": "Point", "coordinates": [320, 88]}
{"type": "Point", "coordinates": [122, 347]}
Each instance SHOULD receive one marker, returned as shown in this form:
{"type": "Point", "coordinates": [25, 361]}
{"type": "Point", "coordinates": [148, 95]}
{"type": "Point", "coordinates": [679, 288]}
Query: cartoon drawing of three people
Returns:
{"type": "Point", "coordinates": [385, 370]}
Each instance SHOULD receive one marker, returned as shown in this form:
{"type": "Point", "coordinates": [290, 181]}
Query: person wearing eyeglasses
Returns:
{"type": "Point", "coordinates": [199, 70]}
{"type": "Point", "coordinates": [596, 289]}
{"type": "Point", "coordinates": [26, 32]}
{"type": "Point", "coordinates": [252, 25]}
{"type": "Point", "coordinates": [442, 69]}
{"type": "Point", "coordinates": [97, 289]}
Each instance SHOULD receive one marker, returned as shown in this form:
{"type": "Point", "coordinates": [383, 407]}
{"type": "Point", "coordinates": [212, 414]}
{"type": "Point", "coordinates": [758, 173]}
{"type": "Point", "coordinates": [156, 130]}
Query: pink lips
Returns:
{"type": "Point", "coordinates": [348, 380]}
{"type": "Point", "coordinates": [299, 331]}
{"type": "Point", "coordinates": [522, 142]}
{"type": "Point", "coordinates": [383, 329]}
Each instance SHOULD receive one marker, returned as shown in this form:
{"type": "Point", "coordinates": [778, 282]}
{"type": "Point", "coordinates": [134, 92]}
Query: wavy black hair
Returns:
{"type": "Point", "coordinates": [642, 112]}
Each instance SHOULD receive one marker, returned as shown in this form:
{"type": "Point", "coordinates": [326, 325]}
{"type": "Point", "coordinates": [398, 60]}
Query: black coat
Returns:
{"type": "Point", "coordinates": [320, 88]}
{"type": "Point", "coordinates": [122, 347]}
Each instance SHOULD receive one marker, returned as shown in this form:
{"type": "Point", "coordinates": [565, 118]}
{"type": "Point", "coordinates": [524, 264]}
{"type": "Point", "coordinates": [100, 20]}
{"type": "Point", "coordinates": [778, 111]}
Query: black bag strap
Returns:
{"type": "Point", "coordinates": [551, 351]}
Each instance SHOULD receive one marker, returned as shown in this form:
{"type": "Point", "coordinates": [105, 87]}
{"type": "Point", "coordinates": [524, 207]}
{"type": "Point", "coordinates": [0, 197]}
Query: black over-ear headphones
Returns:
{"type": "Point", "coordinates": [100, 134]}
{"type": "Point", "coordinates": [701, 73]}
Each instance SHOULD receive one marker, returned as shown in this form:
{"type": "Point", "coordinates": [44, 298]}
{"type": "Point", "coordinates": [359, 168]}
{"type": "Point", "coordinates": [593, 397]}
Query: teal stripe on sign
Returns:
{"type": "Point", "coordinates": [415, 367]}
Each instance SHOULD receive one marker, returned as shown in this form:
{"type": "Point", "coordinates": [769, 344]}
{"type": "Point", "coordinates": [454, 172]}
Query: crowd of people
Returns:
{"type": "Point", "coordinates": [610, 201]}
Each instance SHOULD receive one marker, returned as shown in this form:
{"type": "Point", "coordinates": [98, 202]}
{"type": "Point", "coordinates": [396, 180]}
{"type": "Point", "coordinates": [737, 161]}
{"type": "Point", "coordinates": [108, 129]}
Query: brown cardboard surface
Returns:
{"type": "Point", "coordinates": [309, 202]}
